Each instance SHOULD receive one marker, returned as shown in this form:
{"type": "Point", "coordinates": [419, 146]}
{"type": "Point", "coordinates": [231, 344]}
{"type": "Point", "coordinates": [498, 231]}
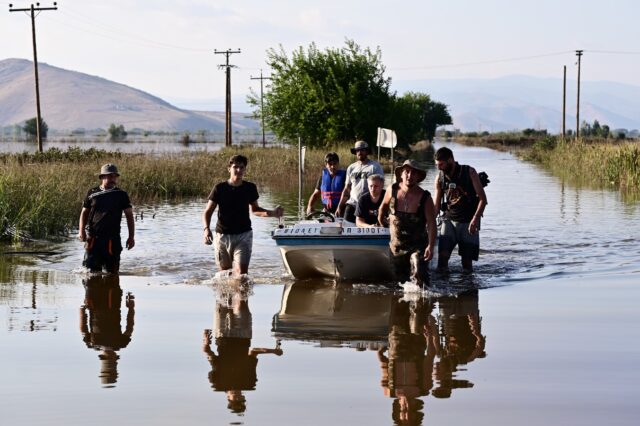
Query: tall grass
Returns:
{"type": "Point", "coordinates": [41, 194]}
{"type": "Point", "coordinates": [613, 165]}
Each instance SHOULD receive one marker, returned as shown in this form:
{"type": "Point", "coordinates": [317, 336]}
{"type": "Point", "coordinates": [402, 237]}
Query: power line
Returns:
{"type": "Point", "coordinates": [488, 62]}
{"type": "Point", "coordinates": [261, 78]}
{"type": "Point", "coordinates": [80, 17]}
{"type": "Point", "coordinates": [32, 10]}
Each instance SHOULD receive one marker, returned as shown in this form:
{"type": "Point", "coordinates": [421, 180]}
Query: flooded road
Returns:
{"type": "Point", "coordinates": [544, 331]}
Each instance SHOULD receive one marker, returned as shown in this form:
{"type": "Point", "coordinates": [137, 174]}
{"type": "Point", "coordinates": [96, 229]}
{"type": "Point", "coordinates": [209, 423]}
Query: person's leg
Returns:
{"type": "Point", "coordinates": [95, 254]}
{"type": "Point", "coordinates": [242, 248]}
{"type": "Point", "coordinates": [401, 267]}
{"type": "Point", "coordinates": [350, 213]}
{"type": "Point", "coordinates": [221, 246]}
{"type": "Point", "coordinates": [446, 243]}
{"type": "Point", "coordinates": [419, 268]}
{"type": "Point", "coordinates": [468, 246]}
{"type": "Point", "coordinates": [112, 257]}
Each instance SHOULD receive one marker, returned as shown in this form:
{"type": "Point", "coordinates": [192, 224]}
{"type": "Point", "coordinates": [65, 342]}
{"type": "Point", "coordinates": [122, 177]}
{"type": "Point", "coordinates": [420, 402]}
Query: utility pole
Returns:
{"type": "Point", "coordinates": [261, 78]}
{"type": "Point", "coordinates": [579, 55]}
{"type": "Point", "coordinates": [34, 9]}
{"type": "Point", "coordinates": [227, 131]}
{"type": "Point", "coordinates": [564, 103]}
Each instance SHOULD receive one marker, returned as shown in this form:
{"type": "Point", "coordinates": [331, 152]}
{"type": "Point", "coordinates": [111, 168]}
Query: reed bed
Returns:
{"type": "Point", "coordinates": [41, 194]}
{"type": "Point", "coordinates": [612, 165]}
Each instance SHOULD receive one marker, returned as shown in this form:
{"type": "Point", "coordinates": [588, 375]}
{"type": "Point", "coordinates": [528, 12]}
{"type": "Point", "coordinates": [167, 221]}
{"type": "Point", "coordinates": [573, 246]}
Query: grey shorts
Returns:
{"type": "Point", "coordinates": [457, 233]}
{"type": "Point", "coordinates": [233, 249]}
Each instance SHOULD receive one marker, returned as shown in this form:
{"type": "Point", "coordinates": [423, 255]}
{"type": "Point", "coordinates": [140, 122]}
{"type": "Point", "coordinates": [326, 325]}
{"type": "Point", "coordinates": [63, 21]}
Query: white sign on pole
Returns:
{"type": "Point", "coordinates": [387, 138]}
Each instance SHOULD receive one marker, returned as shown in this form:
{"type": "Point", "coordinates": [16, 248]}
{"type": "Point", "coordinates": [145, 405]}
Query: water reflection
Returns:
{"type": "Point", "coordinates": [234, 366]}
{"type": "Point", "coordinates": [100, 319]}
{"type": "Point", "coordinates": [421, 343]}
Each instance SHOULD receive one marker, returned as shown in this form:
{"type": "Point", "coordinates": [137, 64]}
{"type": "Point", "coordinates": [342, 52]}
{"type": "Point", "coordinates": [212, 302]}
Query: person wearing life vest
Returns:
{"type": "Point", "coordinates": [330, 185]}
{"type": "Point", "coordinates": [460, 195]}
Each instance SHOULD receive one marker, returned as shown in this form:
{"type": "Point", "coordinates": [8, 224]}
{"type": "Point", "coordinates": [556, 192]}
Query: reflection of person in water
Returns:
{"type": "Point", "coordinates": [233, 368]}
{"type": "Point", "coordinates": [461, 341]}
{"type": "Point", "coordinates": [100, 322]}
{"type": "Point", "coordinates": [406, 372]}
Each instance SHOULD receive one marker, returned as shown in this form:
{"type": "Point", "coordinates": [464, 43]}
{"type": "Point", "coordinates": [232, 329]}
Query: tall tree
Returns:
{"type": "Point", "coordinates": [434, 114]}
{"type": "Point", "coordinates": [338, 94]}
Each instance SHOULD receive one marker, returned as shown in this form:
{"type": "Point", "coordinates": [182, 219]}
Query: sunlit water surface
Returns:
{"type": "Point", "coordinates": [543, 332]}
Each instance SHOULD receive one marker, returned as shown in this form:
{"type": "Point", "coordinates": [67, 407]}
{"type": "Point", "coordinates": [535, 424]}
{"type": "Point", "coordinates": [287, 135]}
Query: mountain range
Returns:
{"type": "Point", "coordinates": [519, 102]}
{"type": "Point", "coordinates": [73, 100]}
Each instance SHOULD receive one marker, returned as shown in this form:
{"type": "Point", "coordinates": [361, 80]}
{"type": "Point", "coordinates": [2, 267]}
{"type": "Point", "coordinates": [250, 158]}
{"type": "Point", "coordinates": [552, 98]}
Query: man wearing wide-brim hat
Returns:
{"type": "Point", "coordinates": [357, 174]}
{"type": "Point", "coordinates": [100, 220]}
{"type": "Point", "coordinates": [412, 222]}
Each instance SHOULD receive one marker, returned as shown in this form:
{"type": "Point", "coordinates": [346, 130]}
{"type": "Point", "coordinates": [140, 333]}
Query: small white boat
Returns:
{"type": "Point", "coordinates": [337, 250]}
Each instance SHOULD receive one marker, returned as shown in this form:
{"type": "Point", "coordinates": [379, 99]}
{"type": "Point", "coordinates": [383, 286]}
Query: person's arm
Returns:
{"type": "Point", "coordinates": [84, 216]}
{"type": "Point", "coordinates": [430, 216]}
{"type": "Point", "coordinates": [312, 200]}
{"type": "Point", "coordinates": [482, 201]}
{"type": "Point", "coordinates": [258, 351]}
{"type": "Point", "coordinates": [383, 211]}
{"type": "Point", "coordinates": [130, 303]}
{"type": "Point", "coordinates": [131, 226]}
{"type": "Point", "coordinates": [262, 212]}
{"type": "Point", "coordinates": [206, 345]}
{"type": "Point", "coordinates": [206, 221]}
{"type": "Point", "coordinates": [437, 198]}
{"type": "Point", "coordinates": [360, 223]}
{"type": "Point", "coordinates": [343, 199]}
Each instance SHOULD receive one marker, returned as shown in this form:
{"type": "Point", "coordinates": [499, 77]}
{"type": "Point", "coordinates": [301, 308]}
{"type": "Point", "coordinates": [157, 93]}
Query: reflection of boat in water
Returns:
{"type": "Point", "coordinates": [333, 315]}
{"type": "Point", "coordinates": [332, 250]}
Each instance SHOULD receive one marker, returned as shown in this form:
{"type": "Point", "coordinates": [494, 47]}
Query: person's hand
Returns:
{"type": "Point", "coordinates": [208, 237]}
{"type": "Point", "coordinates": [339, 211]}
{"type": "Point", "coordinates": [130, 243]}
{"type": "Point", "coordinates": [428, 253]}
{"type": "Point", "coordinates": [130, 300]}
{"type": "Point", "coordinates": [310, 210]}
{"type": "Point", "coordinates": [474, 225]}
{"type": "Point", "coordinates": [206, 337]}
{"type": "Point", "coordinates": [278, 211]}
{"type": "Point", "coordinates": [82, 235]}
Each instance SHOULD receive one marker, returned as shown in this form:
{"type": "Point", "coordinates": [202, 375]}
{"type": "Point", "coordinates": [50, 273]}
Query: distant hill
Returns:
{"type": "Point", "coordinates": [72, 100]}
{"type": "Point", "coordinates": [519, 102]}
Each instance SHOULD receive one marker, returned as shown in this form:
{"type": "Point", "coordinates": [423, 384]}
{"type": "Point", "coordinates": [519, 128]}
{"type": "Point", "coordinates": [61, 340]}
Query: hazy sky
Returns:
{"type": "Point", "coordinates": [166, 47]}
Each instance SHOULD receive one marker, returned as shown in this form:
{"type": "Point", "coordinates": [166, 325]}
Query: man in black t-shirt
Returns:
{"type": "Point", "coordinates": [369, 202]}
{"type": "Point", "coordinates": [234, 237]}
{"type": "Point", "coordinates": [100, 220]}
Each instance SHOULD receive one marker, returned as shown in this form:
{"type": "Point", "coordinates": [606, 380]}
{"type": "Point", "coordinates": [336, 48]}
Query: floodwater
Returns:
{"type": "Point", "coordinates": [544, 332]}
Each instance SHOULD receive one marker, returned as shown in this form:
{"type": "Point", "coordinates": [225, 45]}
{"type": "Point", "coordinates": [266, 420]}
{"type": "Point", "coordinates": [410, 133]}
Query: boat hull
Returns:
{"type": "Point", "coordinates": [351, 254]}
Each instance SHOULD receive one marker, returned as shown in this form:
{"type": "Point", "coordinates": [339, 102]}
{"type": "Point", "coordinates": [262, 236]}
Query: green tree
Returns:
{"type": "Point", "coordinates": [434, 114]}
{"type": "Point", "coordinates": [338, 94]}
{"type": "Point", "coordinates": [31, 129]}
{"type": "Point", "coordinates": [415, 116]}
{"type": "Point", "coordinates": [117, 133]}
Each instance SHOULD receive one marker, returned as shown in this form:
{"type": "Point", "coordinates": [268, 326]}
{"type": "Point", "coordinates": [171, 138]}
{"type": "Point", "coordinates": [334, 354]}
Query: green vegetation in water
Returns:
{"type": "Point", "coordinates": [602, 164]}
{"type": "Point", "coordinates": [41, 194]}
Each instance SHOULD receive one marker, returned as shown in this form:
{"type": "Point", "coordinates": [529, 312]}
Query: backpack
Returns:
{"type": "Point", "coordinates": [484, 181]}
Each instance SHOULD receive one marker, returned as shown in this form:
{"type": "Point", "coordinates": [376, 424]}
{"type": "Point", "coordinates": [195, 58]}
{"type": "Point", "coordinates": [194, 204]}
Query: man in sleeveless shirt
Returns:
{"type": "Point", "coordinates": [412, 222]}
{"type": "Point", "coordinates": [464, 202]}
{"type": "Point", "coordinates": [100, 220]}
{"type": "Point", "coordinates": [357, 174]}
{"type": "Point", "coordinates": [233, 237]}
